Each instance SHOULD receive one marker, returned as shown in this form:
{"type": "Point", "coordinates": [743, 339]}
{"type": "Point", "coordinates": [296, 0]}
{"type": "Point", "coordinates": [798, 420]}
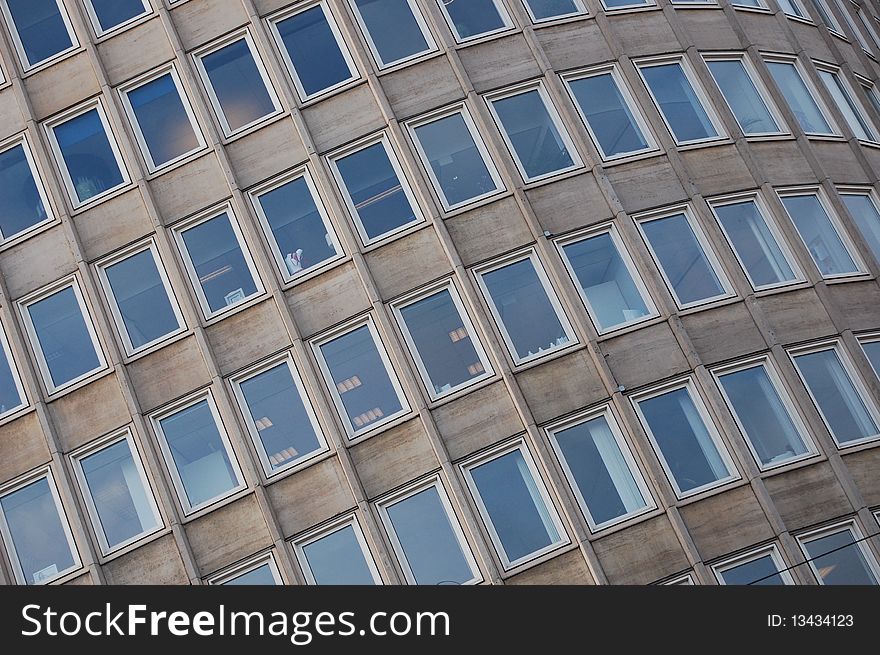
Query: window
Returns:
{"type": "Point", "coordinates": [683, 105]}
{"type": "Point", "coordinates": [871, 346]}
{"type": "Point", "coordinates": [685, 439]}
{"type": "Point", "coordinates": [534, 133]}
{"type": "Point", "coordinates": [35, 531]}
{"type": "Point", "coordinates": [801, 98]}
{"type": "Point", "coordinates": [456, 158]}
{"type": "Point", "coordinates": [375, 189]}
{"type": "Point", "coordinates": [610, 114]}
{"type": "Point", "coordinates": [395, 30]}
{"type": "Point", "coordinates": [750, 4]}
{"type": "Point", "coordinates": [514, 504]}
{"type": "Point", "coordinates": [689, 266]}
{"type": "Point", "coordinates": [600, 468]}
{"type": "Point", "coordinates": [611, 5]}
{"type": "Point", "coordinates": [820, 231]}
{"type": "Point", "coordinates": [853, 112]}
{"type": "Point", "coordinates": [237, 83]}
{"type": "Point", "coordinates": [279, 415]}
{"type": "Point", "coordinates": [363, 384]}
{"type": "Point", "coordinates": [475, 18]}
{"type": "Point", "coordinates": [118, 496]}
{"type": "Point", "coordinates": [610, 286]}
{"type": "Point", "coordinates": [525, 308]}
{"type": "Point", "coordinates": [313, 49]}
{"type": "Point", "coordinates": [827, 16]}
{"type": "Point", "coordinates": [793, 9]}
{"type": "Point", "coordinates": [765, 413]}
{"type": "Point", "coordinates": [296, 224]}
{"type": "Point", "coordinates": [140, 296]}
{"type": "Point", "coordinates": [869, 28]}
{"type": "Point", "coordinates": [197, 452]}
{"type": "Point", "coordinates": [87, 154]}
{"type": "Point", "coordinates": [855, 29]}
{"type": "Point", "coordinates": [747, 99]}
{"type": "Point", "coordinates": [40, 29]}
{"type": "Point", "coordinates": [545, 10]}
{"type": "Point", "coordinates": [442, 340]}
{"type": "Point", "coordinates": [109, 15]}
{"type": "Point", "coordinates": [839, 395]}
{"type": "Point", "coordinates": [337, 555]}
{"type": "Point", "coordinates": [217, 261]}
{"type": "Point", "coordinates": [756, 242]}
{"type": "Point", "coordinates": [162, 119]}
{"type": "Point", "coordinates": [686, 580]}
{"type": "Point", "coordinates": [863, 209]}
{"type": "Point", "coordinates": [427, 538]}
{"type": "Point", "coordinates": [839, 556]}
{"type": "Point", "coordinates": [12, 395]}
{"type": "Point", "coordinates": [871, 91]}
{"type": "Point", "coordinates": [764, 567]}
{"type": "Point", "coordinates": [23, 204]}
{"type": "Point", "coordinates": [62, 335]}
{"type": "Point", "coordinates": [261, 570]}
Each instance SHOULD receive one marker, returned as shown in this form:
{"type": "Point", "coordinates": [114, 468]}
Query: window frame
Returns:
{"type": "Point", "coordinates": [803, 17]}
{"type": "Point", "coordinates": [313, 535]}
{"type": "Point", "coordinates": [853, 527]}
{"type": "Point", "coordinates": [503, 13]}
{"type": "Point", "coordinates": [855, 103]}
{"type": "Point", "coordinates": [26, 65]}
{"type": "Point", "coordinates": [686, 579]}
{"type": "Point", "coordinates": [6, 351]}
{"type": "Point", "coordinates": [23, 140]}
{"type": "Point", "coordinates": [635, 5]}
{"type": "Point", "coordinates": [867, 192]}
{"type": "Point", "coordinates": [863, 339]}
{"type": "Point", "coordinates": [812, 91]}
{"type": "Point", "coordinates": [242, 568]}
{"type": "Point", "coordinates": [827, 12]}
{"type": "Point", "coordinates": [418, 16]}
{"type": "Point", "coordinates": [581, 10]}
{"type": "Point", "coordinates": [100, 32]}
{"type": "Point", "coordinates": [719, 568]}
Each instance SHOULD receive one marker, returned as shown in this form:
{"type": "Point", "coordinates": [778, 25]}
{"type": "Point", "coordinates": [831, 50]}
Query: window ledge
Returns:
{"type": "Point", "coordinates": [180, 335]}
{"type": "Point", "coordinates": [178, 163]}
{"type": "Point", "coordinates": [238, 494]}
{"type": "Point", "coordinates": [331, 92]}
{"type": "Point", "coordinates": [312, 460]}
{"type": "Point", "coordinates": [124, 27]}
{"type": "Point", "coordinates": [562, 20]}
{"type": "Point", "coordinates": [549, 357]}
{"type": "Point", "coordinates": [803, 462]}
{"type": "Point", "coordinates": [463, 391]}
{"type": "Point", "coordinates": [400, 65]}
{"type": "Point", "coordinates": [393, 422]}
{"type": "Point", "coordinates": [555, 177]}
{"type": "Point", "coordinates": [61, 56]}
{"type": "Point", "coordinates": [477, 204]}
{"type": "Point", "coordinates": [719, 488]}
{"type": "Point", "coordinates": [17, 414]}
{"type": "Point", "coordinates": [639, 156]}
{"type": "Point", "coordinates": [559, 549]}
{"type": "Point", "coordinates": [631, 327]}
{"type": "Point", "coordinates": [91, 377]}
{"type": "Point", "coordinates": [483, 38]}
{"type": "Point", "coordinates": [235, 309]}
{"type": "Point", "coordinates": [266, 121]}
{"type": "Point", "coordinates": [313, 271]}
{"type": "Point", "coordinates": [712, 304]}
{"type": "Point", "coordinates": [155, 535]}
{"type": "Point", "coordinates": [110, 194]}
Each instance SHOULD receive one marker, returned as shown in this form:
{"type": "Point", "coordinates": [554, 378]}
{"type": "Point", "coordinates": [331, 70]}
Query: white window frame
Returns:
{"type": "Point", "coordinates": [19, 483]}
{"type": "Point", "coordinates": [843, 356]}
{"type": "Point", "coordinates": [26, 65]}
{"type": "Point", "coordinates": [471, 127]}
{"type": "Point", "coordinates": [85, 310]}
{"type": "Point", "coordinates": [430, 42]}
{"type": "Point", "coordinates": [502, 12]}
{"type": "Point", "coordinates": [856, 105]}
{"type": "Point", "coordinates": [300, 543]}
{"type": "Point", "coordinates": [694, 4]}
{"type": "Point", "coordinates": [273, 20]}
{"type": "Point", "coordinates": [835, 28]}
{"type": "Point", "coordinates": [687, 580]}
{"type": "Point", "coordinates": [812, 91]}
{"type": "Point", "coordinates": [772, 550]}
{"type": "Point", "coordinates": [765, 362]}
{"type": "Point", "coordinates": [714, 434]}
{"type": "Point", "coordinates": [351, 432]}
{"type": "Point", "coordinates": [555, 118]}
{"type": "Point", "coordinates": [125, 434]}
{"type": "Point", "coordinates": [409, 491]}
{"type": "Point", "coordinates": [705, 246]}
{"type": "Point", "coordinates": [606, 412]}
{"type": "Point", "coordinates": [212, 213]}
{"type": "Point", "coordinates": [96, 23]}
{"type": "Point", "coordinates": [24, 141]}
{"type": "Point", "coordinates": [449, 286]}
{"type": "Point", "coordinates": [873, 337]}
{"type": "Point", "coordinates": [381, 138]}
{"type": "Point", "coordinates": [75, 112]}
{"type": "Point", "coordinates": [6, 351]}
{"type": "Point", "coordinates": [245, 567]}
{"type": "Point", "coordinates": [168, 69]}
{"type": "Point", "coordinates": [283, 360]}
{"type": "Point", "coordinates": [580, 10]}
{"type": "Point", "coordinates": [803, 16]}
{"type": "Point", "coordinates": [870, 561]}
{"type": "Point", "coordinates": [182, 404]}
{"type": "Point", "coordinates": [635, 5]}
{"type": "Point", "coordinates": [532, 255]}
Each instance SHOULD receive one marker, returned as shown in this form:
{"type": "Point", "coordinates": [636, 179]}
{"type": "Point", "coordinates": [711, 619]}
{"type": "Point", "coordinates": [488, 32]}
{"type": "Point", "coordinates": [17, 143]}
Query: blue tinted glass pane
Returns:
{"type": "Point", "coordinates": [262, 575]}
{"type": "Point", "coordinates": [64, 338]}
{"type": "Point", "coordinates": [543, 9]}
{"type": "Point", "coordinates": [872, 350]}
{"type": "Point", "coordinates": [761, 571]}
{"type": "Point", "coordinates": [219, 263]}
{"type": "Point", "coordinates": [140, 295]}
{"type": "Point", "coordinates": [238, 85]}
{"type": "Point", "coordinates": [473, 17]}
{"type": "Point", "coordinates": [393, 28]}
{"type": "Point", "coordinates": [609, 117]}
{"type": "Point", "coordinates": [10, 398]}
{"type": "Point", "coordinates": [799, 98]}
{"type": "Point", "coordinates": [40, 27]}
{"type": "Point", "coordinates": [742, 95]}
{"type": "Point", "coordinates": [375, 190]}
{"type": "Point", "coordinates": [87, 154]}
{"type": "Point", "coordinates": [866, 217]}
{"type": "Point", "coordinates": [679, 103]}
{"type": "Point", "coordinates": [111, 13]}
{"type": "Point", "coordinates": [313, 50]}
{"type": "Point", "coordinates": [819, 234]}
{"type": "Point", "coordinates": [20, 202]}
{"type": "Point", "coordinates": [338, 559]}
{"type": "Point", "coordinates": [838, 560]}
{"type": "Point", "coordinates": [163, 120]}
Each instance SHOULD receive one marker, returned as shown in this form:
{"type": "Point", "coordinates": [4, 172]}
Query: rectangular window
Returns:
{"type": "Point", "coordinates": [611, 5]}
{"type": "Point", "coordinates": [745, 95]}
{"type": "Point", "coordinates": [40, 29]}
{"type": "Point", "coordinates": [546, 10]}
{"type": "Point", "coordinates": [395, 30]}
{"type": "Point", "coordinates": [197, 453]}
{"type": "Point", "coordinates": [533, 132]}
{"type": "Point", "coordinates": [688, 264]}
{"type": "Point", "coordinates": [261, 570]}
{"type": "Point", "coordinates": [279, 415]}
{"type": "Point", "coordinates": [62, 335]}
{"type": "Point", "coordinates": [827, 16]}
{"type": "Point", "coordinates": [443, 341]}
{"type": "Point", "coordinates": [337, 555]}
{"type": "Point", "coordinates": [765, 413]}
{"type": "Point", "coordinates": [12, 395]}
{"type": "Point", "coordinates": [475, 18]}
{"type": "Point", "coordinates": [36, 532]}
{"type": "Point", "coordinates": [793, 9]}
{"type": "Point", "coordinates": [606, 276]}
{"type": "Point", "coordinates": [296, 224]}
{"type": "Point", "coordinates": [363, 383]}
{"type": "Point", "coordinates": [756, 241]}
{"type": "Point", "coordinates": [840, 396]}
{"type": "Point", "coordinates": [162, 119]}
{"type": "Point", "coordinates": [871, 91]}
{"type": "Point", "coordinates": [87, 154]}
{"type": "Point", "coordinates": [525, 308]}
{"type": "Point", "coordinates": [313, 50]}
{"type": "Point", "coordinates": [218, 262]}
{"type": "Point", "coordinates": [610, 113]}
{"type": "Point", "coordinates": [863, 209]}
{"type": "Point", "coordinates": [110, 15]}
{"type": "Point", "coordinates": [871, 346]}
{"type": "Point", "coordinates": [852, 110]}
{"type": "Point", "coordinates": [750, 4]}
{"type": "Point", "coordinates": [427, 537]}
{"type": "Point", "coordinates": [237, 83]}
{"type": "Point", "coordinates": [861, 39]}
{"type": "Point", "coordinates": [456, 158]}
{"type": "Point", "coordinates": [140, 296]}
{"type": "Point", "coordinates": [839, 556]}
{"type": "Point", "coordinates": [24, 203]}
{"type": "Point", "coordinates": [801, 98]}
{"type": "Point", "coordinates": [683, 104]}
{"type": "Point", "coordinates": [869, 28]}
{"type": "Point", "coordinates": [375, 189]}
{"type": "Point", "coordinates": [600, 468]}
{"type": "Point", "coordinates": [764, 567]}
{"type": "Point", "coordinates": [118, 496]}
{"type": "Point", "coordinates": [685, 438]}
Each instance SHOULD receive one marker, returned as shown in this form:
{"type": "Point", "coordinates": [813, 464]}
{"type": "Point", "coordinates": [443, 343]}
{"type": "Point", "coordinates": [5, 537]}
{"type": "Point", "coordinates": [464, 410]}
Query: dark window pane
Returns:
{"type": "Point", "coordinates": [679, 103]}
{"type": "Point", "coordinates": [608, 115]}
{"type": "Point", "coordinates": [162, 119]}
{"type": "Point", "coordinates": [238, 85]}
{"type": "Point", "coordinates": [111, 13]}
{"type": "Point", "coordinates": [473, 17]}
{"type": "Point", "coordinates": [313, 50]}
{"type": "Point", "coordinates": [40, 28]}
{"type": "Point", "coordinates": [87, 154]}
{"type": "Point", "coordinates": [262, 575]}
{"type": "Point", "coordinates": [839, 561]}
{"type": "Point", "coordinates": [393, 28]}
{"type": "Point", "coordinates": [338, 559]}
{"type": "Point", "coordinates": [761, 571]}
{"type": "Point", "coordinates": [20, 204]}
